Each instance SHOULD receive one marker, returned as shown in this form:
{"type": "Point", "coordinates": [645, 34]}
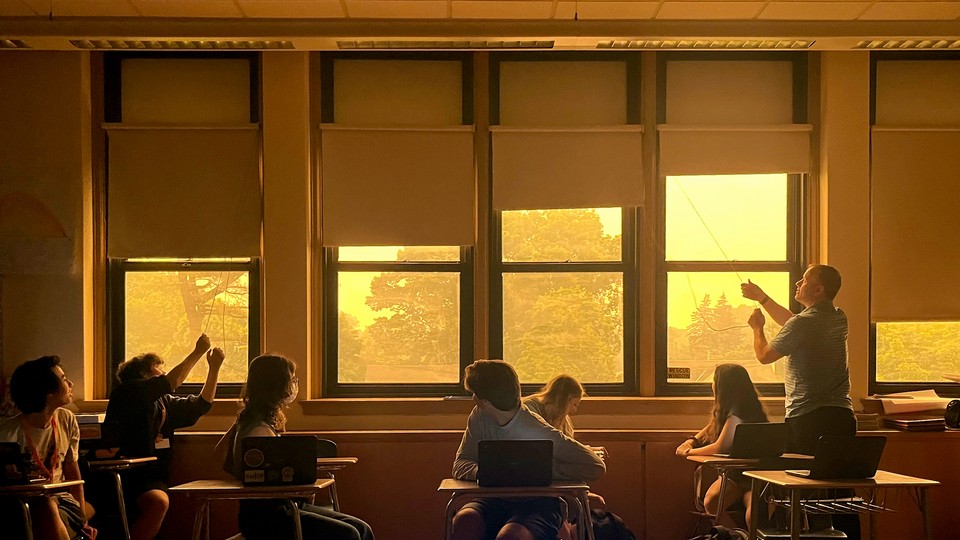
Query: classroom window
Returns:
{"type": "Point", "coordinates": [400, 323]}
{"type": "Point", "coordinates": [917, 352]}
{"type": "Point", "coordinates": [162, 306]}
{"type": "Point", "coordinates": [563, 275]}
{"type": "Point", "coordinates": [721, 231]}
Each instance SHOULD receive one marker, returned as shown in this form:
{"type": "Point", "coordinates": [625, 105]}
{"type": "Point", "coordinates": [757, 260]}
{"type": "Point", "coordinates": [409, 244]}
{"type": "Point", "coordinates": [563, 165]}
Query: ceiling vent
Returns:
{"type": "Point", "coordinates": [705, 44]}
{"type": "Point", "coordinates": [908, 44]}
{"type": "Point", "coordinates": [446, 45]}
{"type": "Point", "coordinates": [13, 44]}
{"type": "Point", "coordinates": [147, 45]}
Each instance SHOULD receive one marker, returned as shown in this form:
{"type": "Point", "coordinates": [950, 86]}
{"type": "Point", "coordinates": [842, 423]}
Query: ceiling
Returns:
{"type": "Point", "coordinates": [578, 24]}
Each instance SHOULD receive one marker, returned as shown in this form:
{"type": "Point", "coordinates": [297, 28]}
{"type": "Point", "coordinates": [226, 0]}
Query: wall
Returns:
{"type": "Point", "coordinates": [393, 485]}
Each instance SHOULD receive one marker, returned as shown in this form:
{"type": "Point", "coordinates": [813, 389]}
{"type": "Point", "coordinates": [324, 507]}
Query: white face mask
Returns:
{"type": "Point", "coordinates": [294, 390]}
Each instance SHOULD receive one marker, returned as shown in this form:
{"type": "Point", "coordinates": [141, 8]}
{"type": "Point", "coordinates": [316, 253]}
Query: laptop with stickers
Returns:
{"type": "Point", "coordinates": [277, 461]}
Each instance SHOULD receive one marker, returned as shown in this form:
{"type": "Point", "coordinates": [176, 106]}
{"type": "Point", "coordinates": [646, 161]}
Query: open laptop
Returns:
{"type": "Point", "coordinates": [515, 463]}
{"type": "Point", "coordinates": [759, 440]}
{"type": "Point", "coordinates": [844, 458]}
{"type": "Point", "coordinates": [277, 461]}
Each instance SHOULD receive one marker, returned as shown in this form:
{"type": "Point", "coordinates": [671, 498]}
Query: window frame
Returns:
{"type": "Point", "coordinates": [116, 291]}
{"type": "Point", "coordinates": [797, 223]}
{"type": "Point", "coordinates": [628, 266]}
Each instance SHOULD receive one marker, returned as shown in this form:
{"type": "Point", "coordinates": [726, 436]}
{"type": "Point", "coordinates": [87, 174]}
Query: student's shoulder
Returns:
{"type": "Point", "coordinates": [65, 415]}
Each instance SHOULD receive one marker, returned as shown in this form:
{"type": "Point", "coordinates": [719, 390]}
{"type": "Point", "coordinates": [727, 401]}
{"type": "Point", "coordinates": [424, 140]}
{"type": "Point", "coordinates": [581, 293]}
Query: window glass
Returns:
{"type": "Point", "coordinates": [166, 311]}
{"type": "Point", "coordinates": [730, 217]}
{"type": "Point", "coordinates": [569, 235]}
{"type": "Point", "coordinates": [398, 327]}
{"type": "Point", "coordinates": [917, 351]}
{"type": "Point", "coordinates": [564, 322]}
{"type": "Point", "coordinates": [707, 324]}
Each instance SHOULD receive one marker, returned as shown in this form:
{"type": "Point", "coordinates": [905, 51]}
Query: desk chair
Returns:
{"type": "Point", "coordinates": [328, 449]}
{"type": "Point", "coordinates": [113, 467]}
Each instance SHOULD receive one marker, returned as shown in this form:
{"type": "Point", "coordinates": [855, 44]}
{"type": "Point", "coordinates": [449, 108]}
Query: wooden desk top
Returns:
{"type": "Point", "coordinates": [122, 463]}
{"type": "Point", "coordinates": [334, 463]}
{"type": "Point", "coordinates": [881, 479]}
{"type": "Point", "coordinates": [718, 461]}
{"type": "Point", "coordinates": [38, 489]}
{"type": "Point", "coordinates": [452, 484]}
{"type": "Point", "coordinates": [235, 490]}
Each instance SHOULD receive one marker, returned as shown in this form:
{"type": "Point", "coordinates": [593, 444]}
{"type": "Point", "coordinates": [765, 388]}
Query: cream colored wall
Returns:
{"type": "Point", "coordinates": [44, 314]}
{"type": "Point", "coordinates": [44, 151]}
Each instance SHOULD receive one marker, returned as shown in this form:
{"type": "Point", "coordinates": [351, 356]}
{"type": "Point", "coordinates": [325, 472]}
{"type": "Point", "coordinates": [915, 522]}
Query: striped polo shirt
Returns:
{"type": "Point", "coordinates": [815, 344]}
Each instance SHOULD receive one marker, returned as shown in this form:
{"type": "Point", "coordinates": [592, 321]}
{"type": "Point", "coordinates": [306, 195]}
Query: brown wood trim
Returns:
{"type": "Point", "coordinates": [315, 259]}
{"type": "Point", "coordinates": [481, 254]}
{"type": "Point", "coordinates": [100, 324]}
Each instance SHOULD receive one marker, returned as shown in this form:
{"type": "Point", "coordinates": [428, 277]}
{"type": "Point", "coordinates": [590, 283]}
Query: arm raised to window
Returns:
{"type": "Point", "coordinates": [178, 374]}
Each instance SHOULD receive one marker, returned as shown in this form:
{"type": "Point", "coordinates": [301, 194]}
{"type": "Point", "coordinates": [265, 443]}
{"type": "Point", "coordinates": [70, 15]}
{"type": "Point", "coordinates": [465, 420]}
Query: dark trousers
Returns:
{"type": "Point", "coordinates": [804, 431]}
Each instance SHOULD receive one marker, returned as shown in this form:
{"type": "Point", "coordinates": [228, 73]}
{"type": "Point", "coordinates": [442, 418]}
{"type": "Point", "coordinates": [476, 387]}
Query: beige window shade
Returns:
{"type": "Point", "coordinates": [571, 168]}
{"type": "Point", "coordinates": [195, 91]}
{"type": "Point", "coordinates": [918, 93]}
{"type": "Point", "coordinates": [729, 92]}
{"type": "Point", "coordinates": [396, 187]}
{"type": "Point", "coordinates": [692, 150]}
{"type": "Point", "coordinates": [381, 93]}
{"type": "Point", "coordinates": [563, 93]}
{"type": "Point", "coordinates": [915, 254]}
{"type": "Point", "coordinates": [184, 192]}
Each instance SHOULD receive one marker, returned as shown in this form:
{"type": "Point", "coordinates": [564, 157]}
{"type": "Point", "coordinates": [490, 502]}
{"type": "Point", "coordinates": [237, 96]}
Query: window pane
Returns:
{"type": "Point", "coordinates": [166, 312]}
{"type": "Point", "coordinates": [398, 253]}
{"type": "Point", "coordinates": [398, 327]}
{"type": "Point", "coordinates": [707, 324]}
{"type": "Point", "coordinates": [917, 351]}
{"type": "Point", "coordinates": [719, 218]}
{"type": "Point", "coordinates": [564, 323]}
{"type": "Point", "coordinates": [589, 234]}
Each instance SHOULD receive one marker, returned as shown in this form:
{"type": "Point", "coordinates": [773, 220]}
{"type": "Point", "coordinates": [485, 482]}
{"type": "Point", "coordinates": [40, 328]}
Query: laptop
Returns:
{"type": "Point", "coordinates": [277, 461]}
{"type": "Point", "coordinates": [15, 466]}
{"type": "Point", "coordinates": [844, 458]}
{"type": "Point", "coordinates": [759, 440]}
{"type": "Point", "coordinates": [512, 463]}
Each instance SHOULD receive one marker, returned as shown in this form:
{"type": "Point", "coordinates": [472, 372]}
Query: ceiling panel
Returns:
{"type": "Point", "coordinates": [397, 9]}
{"type": "Point", "coordinates": [292, 9]}
{"type": "Point", "coordinates": [189, 8]}
{"type": "Point", "coordinates": [589, 10]}
{"type": "Point", "coordinates": [814, 11]}
{"type": "Point", "coordinates": [499, 9]}
{"type": "Point", "coordinates": [709, 10]}
{"type": "Point", "coordinates": [94, 8]}
{"type": "Point", "coordinates": [912, 11]}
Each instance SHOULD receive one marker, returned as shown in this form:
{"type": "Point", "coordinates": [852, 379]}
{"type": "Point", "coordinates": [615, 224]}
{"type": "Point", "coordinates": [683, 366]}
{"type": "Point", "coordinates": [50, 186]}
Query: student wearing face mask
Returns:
{"type": "Point", "coordinates": [271, 386]}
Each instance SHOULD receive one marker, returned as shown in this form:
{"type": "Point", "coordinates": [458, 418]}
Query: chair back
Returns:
{"type": "Point", "coordinates": [326, 448]}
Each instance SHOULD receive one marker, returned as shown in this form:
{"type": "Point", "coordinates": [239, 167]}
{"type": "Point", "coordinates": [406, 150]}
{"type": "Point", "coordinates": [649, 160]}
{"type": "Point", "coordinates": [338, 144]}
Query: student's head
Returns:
{"type": "Point", "coordinates": [271, 385]}
{"type": "Point", "coordinates": [562, 393]}
{"type": "Point", "coordinates": [819, 282]}
{"type": "Point", "coordinates": [35, 384]}
{"type": "Point", "coordinates": [733, 392]}
{"type": "Point", "coordinates": [140, 367]}
{"type": "Point", "coordinates": [494, 381]}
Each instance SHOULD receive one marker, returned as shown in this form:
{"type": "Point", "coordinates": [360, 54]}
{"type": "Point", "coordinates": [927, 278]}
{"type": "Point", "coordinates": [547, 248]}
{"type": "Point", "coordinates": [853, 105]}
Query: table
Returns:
{"type": "Point", "coordinates": [206, 491]}
{"type": "Point", "coordinates": [327, 466]}
{"type": "Point", "coordinates": [114, 466]}
{"type": "Point", "coordinates": [795, 486]}
{"type": "Point", "coordinates": [463, 491]}
{"type": "Point", "coordinates": [24, 492]}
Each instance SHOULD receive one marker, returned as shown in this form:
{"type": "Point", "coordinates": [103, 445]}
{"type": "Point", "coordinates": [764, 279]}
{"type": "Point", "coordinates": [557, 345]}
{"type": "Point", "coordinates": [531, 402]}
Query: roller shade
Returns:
{"type": "Point", "coordinates": [567, 168]}
{"type": "Point", "coordinates": [919, 93]}
{"type": "Point", "coordinates": [404, 187]}
{"type": "Point", "coordinates": [914, 250]}
{"type": "Point", "coordinates": [563, 93]}
{"type": "Point", "coordinates": [729, 92]}
{"type": "Point", "coordinates": [692, 150]}
{"type": "Point", "coordinates": [190, 192]}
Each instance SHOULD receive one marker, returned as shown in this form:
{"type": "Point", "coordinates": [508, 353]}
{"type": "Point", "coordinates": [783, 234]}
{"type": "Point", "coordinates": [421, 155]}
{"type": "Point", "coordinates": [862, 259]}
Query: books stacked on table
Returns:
{"type": "Point", "coordinates": [915, 422]}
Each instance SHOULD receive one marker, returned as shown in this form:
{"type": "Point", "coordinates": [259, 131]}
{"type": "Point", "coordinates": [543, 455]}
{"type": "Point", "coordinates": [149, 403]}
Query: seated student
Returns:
{"type": "Point", "coordinates": [497, 414]}
{"type": "Point", "coordinates": [271, 386]}
{"type": "Point", "coordinates": [50, 435]}
{"type": "Point", "coordinates": [142, 415]}
{"type": "Point", "coordinates": [735, 402]}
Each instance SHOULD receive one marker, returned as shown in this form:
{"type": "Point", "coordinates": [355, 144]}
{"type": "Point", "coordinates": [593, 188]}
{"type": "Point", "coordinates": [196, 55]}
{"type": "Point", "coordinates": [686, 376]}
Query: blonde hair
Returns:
{"type": "Point", "coordinates": [554, 397]}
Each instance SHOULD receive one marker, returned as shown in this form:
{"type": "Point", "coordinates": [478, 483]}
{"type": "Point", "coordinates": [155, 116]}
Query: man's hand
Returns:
{"type": "Point", "coordinates": [215, 358]}
{"type": "Point", "coordinates": [203, 344]}
{"type": "Point", "coordinates": [89, 531]}
{"type": "Point", "coordinates": [752, 291]}
{"type": "Point", "coordinates": [757, 320]}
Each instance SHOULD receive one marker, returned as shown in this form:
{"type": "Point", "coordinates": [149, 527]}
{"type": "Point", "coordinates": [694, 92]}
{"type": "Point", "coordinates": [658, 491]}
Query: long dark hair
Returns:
{"type": "Point", "coordinates": [555, 396]}
{"type": "Point", "coordinates": [269, 385]}
{"type": "Point", "coordinates": [734, 392]}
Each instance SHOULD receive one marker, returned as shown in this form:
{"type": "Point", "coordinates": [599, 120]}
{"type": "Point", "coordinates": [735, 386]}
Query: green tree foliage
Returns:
{"type": "Point", "coordinates": [917, 352]}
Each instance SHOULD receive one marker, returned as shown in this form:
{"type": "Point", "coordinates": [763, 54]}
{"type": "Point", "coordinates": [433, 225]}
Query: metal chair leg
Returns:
{"type": "Point", "coordinates": [122, 504]}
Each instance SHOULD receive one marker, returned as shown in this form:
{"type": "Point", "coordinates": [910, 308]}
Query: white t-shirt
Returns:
{"type": "Point", "coordinates": [67, 439]}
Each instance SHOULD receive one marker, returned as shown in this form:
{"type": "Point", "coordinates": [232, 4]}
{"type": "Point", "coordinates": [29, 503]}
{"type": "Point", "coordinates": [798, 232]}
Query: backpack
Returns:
{"type": "Point", "coordinates": [722, 533]}
{"type": "Point", "coordinates": [609, 526]}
